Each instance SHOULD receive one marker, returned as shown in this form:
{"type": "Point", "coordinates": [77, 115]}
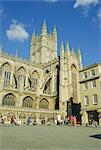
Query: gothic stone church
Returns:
{"type": "Point", "coordinates": [41, 86]}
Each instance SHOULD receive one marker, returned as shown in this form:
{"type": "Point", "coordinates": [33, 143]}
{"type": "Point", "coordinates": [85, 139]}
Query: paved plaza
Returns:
{"type": "Point", "coordinates": [50, 138]}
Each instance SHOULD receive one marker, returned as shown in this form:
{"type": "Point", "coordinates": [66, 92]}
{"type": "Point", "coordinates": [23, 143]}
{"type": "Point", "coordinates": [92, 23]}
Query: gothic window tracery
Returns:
{"type": "Point", "coordinates": [44, 104]}
{"type": "Point", "coordinates": [27, 102]}
{"type": "Point", "coordinates": [9, 100]}
{"type": "Point", "coordinates": [34, 80]}
{"type": "Point", "coordinates": [6, 71]}
{"type": "Point", "coordinates": [21, 76]}
{"type": "Point", "coordinates": [74, 81]}
{"type": "Point", "coordinates": [47, 88]}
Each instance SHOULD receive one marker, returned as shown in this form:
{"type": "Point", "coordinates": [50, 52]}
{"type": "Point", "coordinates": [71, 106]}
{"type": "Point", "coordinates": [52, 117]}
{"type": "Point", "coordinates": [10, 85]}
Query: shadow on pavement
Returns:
{"type": "Point", "coordinates": [98, 136]}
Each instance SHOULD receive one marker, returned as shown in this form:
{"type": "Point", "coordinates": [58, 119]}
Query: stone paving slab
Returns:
{"type": "Point", "coordinates": [50, 138]}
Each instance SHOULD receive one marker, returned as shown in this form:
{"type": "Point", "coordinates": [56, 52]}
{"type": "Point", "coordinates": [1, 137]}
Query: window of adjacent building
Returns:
{"type": "Point", "coordinates": [93, 84]}
{"type": "Point", "coordinates": [92, 73]}
{"type": "Point", "coordinates": [86, 100]}
{"type": "Point", "coordinates": [85, 85]}
{"type": "Point", "coordinates": [85, 75]}
{"type": "Point", "coordinates": [95, 99]}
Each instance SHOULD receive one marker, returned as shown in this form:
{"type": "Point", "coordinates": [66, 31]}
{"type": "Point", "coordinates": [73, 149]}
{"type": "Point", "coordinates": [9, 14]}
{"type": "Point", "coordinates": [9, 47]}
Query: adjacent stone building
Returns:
{"type": "Point", "coordinates": [90, 83]}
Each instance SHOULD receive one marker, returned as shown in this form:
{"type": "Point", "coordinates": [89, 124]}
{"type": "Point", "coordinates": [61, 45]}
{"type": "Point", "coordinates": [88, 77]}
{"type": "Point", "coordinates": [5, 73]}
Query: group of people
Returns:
{"type": "Point", "coordinates": [72, 121]}
{"type": "Point", "coordinates": [13, 121]}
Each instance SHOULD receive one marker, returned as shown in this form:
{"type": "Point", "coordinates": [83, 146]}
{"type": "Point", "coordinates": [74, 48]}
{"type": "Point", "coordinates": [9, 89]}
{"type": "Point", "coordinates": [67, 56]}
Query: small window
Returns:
{"type": "Point", "coordinates": [86, 100]}
{"type": "Point", "coordinates": [92, 73]}
{"type": "Point", "coordinates": [95, 99]}
{"type": "Point", "coordinates": [85, 85]}
{"type": "Point", "coordinates": [94, 84]}
{"type": "Point", "coordinates": [85, 75]}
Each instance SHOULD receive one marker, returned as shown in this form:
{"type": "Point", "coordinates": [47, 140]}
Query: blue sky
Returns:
{"type": "Point", "coordinates": [78, 21]}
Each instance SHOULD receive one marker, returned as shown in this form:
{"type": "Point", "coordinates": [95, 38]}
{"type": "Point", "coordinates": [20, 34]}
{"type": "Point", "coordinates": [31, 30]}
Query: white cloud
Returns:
{"type": "Point", "coordinates": [17, 31]}
{"type": "Point", "coordinates": [85, 3]}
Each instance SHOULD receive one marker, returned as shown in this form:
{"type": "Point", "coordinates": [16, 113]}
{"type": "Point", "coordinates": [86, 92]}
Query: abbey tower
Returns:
{"type": "Point", "coordinates": [44, 46]}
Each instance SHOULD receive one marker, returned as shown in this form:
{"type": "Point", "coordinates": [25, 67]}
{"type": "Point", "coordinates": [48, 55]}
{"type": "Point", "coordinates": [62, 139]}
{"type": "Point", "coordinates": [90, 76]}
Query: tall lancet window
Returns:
{"type": "Point", "coordinates": [34, 80]}
{"type": "Point", "coordinates": [47, 88]}
{"type": "Point", "coordinates": [21, 76]}
{"type": "Point", "coordinates": [74, 82]}
{"type": "Point", "coordinates": [6, 72]}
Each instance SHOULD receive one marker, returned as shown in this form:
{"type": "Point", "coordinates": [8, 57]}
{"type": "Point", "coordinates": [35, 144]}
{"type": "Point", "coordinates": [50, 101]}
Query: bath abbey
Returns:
{"type": "Point", "coordinates": [47, 86]}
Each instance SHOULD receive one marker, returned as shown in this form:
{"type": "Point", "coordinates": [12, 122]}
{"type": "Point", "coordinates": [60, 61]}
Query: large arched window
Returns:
{"type": "Point", "coordinates": [44, 104]}
{"type": "Point", "coordinates": [34, 80]}
{"type": "Point", "coordinates": [47, 88]}
{"type": "Point", "coordinates": [27, 102]}
{"type": "Point", "coordinates": [74, 82]}
{"type": "Point", "coordinates": [9, 100]}
{"type": "Point", "coordinates": [6, 71]}
{"type": "Point", "coordinates": [21, 76]}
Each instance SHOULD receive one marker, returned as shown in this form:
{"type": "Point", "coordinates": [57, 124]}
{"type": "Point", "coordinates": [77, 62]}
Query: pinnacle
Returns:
{"type": "Point", "coordinates": [44, 24]}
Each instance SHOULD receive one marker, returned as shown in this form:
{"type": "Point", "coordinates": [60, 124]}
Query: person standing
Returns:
{"type": "Point", "coordinates": [28, 120]}
{"type": "Point", "coordinates": [75, 122]}
{"type": "Point", "coordinates": [71, 120]}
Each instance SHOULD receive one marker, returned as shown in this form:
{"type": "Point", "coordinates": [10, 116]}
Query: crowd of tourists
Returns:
{"type": "Point", "coordinates": [70, 121]}
{"type": "Point", "coordinates": [13, 121]}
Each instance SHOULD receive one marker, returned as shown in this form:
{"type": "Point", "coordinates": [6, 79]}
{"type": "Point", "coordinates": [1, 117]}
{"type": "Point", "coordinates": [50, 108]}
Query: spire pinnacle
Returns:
{"type": "Point", "coordinates": [16, 55]}
{"type": "Point", "coordinates": [62, 46]}
{"type": "Point", "coordinates": [44, 28]}
{"type": "Point", "coordinates": [67, 49]}
{"type": "Point", "coordinates": [54, 29]}
{"type": "Point", "coordinates": [73, 52]}
{"type": "Point", "coordinates": [62, 49]}
{"type": "Point", "coordinates": [33, 32]}
{"type": "Point", "coordinates": [44, 25]}
{"type": "Point", "coordinates": [79, 58]}
{"type": "Point", "coordinates": [79, 52]}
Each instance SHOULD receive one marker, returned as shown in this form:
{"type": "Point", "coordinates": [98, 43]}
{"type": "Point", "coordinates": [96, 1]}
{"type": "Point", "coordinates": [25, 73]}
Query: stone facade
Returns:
{"type": "Point", "coordinates": [30, 87]}
{"type": "Point", "coordinates": [69, 87]}
{"type": "Point", "coordinates": [90, 83]}
{"type": "Point", "coordinates": [42, 86]}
